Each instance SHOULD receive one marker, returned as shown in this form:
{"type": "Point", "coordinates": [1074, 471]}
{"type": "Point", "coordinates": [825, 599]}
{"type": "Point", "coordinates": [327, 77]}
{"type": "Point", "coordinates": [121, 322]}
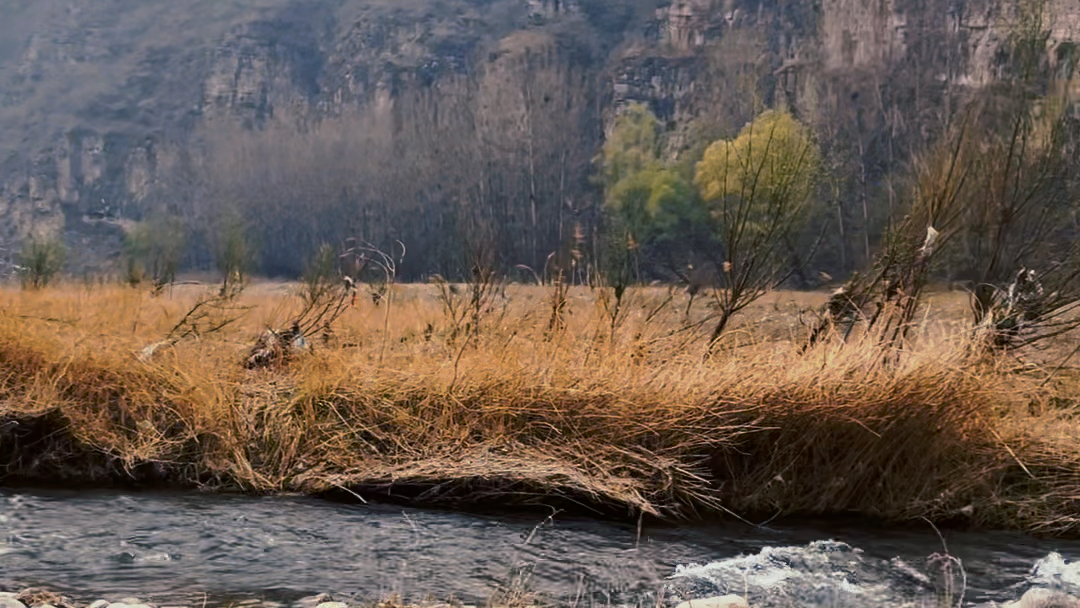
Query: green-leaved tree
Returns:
{"type": "Point", "coordinates": [652, 210]}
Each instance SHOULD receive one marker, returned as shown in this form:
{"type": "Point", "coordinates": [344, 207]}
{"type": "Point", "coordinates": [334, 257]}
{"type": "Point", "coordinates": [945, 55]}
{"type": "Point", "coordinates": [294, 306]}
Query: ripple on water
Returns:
{"type": "Point", "coordinates": [161, 546]}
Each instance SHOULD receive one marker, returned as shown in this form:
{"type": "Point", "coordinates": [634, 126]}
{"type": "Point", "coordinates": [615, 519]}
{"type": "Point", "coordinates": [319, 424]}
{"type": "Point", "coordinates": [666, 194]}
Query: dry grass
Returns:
{"type": "Point", "coordinates": [396, 402]}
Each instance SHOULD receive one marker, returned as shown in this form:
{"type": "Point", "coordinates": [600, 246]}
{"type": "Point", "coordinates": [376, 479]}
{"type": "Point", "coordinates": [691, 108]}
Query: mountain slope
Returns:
{"type": "Point", "coordinates": [481, 114]}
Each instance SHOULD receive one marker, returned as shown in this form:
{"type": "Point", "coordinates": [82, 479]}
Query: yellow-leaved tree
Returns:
{"type": "Point", "coordinates": [763, 178]}
{"type": "Point", "coordinates": [758, 189]}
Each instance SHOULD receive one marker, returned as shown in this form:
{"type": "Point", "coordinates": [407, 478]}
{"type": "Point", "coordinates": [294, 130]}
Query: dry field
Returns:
{"type": "Point", "coordinates": [421, 396]}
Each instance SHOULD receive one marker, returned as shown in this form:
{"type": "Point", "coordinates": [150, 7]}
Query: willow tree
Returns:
{"type": "Point", "coordinates": [757, 188]}
{"type": "Point", "coordinates": [632, 146]}
{"type": "Point", "coordinates": [649, 206]}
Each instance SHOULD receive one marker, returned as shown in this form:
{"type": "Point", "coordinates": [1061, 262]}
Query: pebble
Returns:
{"type": "Point", "coordinates": [7, 600]}
{"type": "Point", "coordinates": [720, 601]}
{"type": "Point", "coordinates": [98, 604]}
{"type": "Point", "coordinates": [333, 605]}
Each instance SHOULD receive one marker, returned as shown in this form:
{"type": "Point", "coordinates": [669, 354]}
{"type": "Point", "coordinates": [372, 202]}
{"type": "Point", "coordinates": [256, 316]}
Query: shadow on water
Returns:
{"type": "Point", "coordinates": [175, 547]}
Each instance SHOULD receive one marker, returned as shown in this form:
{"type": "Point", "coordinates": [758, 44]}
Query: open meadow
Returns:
{"type": "Point", "coordinates": [500, 395]}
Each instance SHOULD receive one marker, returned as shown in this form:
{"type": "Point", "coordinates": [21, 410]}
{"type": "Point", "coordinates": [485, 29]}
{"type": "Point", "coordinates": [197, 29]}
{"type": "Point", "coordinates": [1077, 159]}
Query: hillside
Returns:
{"type": "Point", "coordinates": [442, 122]}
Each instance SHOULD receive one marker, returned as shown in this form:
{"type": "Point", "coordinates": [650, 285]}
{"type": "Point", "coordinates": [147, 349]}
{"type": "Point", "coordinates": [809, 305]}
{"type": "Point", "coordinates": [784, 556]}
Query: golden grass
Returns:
{"type": "Point", "coordinates": [396, 402]}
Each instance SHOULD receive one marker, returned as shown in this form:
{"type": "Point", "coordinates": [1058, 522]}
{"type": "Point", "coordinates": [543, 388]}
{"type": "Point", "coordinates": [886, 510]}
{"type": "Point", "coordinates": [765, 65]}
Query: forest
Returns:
{"type": "Point", "coordinates": [528, 158]}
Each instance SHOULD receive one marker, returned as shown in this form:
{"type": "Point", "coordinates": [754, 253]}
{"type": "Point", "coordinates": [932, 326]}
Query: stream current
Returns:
{"type": "Point", "coordinates": [174, 548]}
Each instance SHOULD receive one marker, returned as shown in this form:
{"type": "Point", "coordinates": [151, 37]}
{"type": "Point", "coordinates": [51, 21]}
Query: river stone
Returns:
{"type": "Point", "coordinates": [333, 605]}
{"type": "Point", "coordinates": [99, 604]}
{"type": "Point", "coordinates": [129, 602]}
{"type": "Point", "coordinates": [720, 601]}
{"type": "Point", "coordinates": [7, 600]}
{"type": "Point", "coordinates": [36, 596]}
{"type": "Point", "coordinates": [313, 600]}
{"type": "Point", "coordinates": [1045, 598]}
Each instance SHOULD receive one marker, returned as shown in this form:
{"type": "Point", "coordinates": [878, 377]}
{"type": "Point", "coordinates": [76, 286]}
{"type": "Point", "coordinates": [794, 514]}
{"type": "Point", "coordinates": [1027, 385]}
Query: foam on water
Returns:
{"type": "Point", "coordinates": [823, 573]}
{"type": "Point", "coordinates": [1054, 572]}
{"type": "Point", "coordinates": [837, 575]}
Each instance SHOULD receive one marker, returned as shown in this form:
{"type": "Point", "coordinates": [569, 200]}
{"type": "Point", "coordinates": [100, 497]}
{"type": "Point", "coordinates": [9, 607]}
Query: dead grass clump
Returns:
{"type": "Point", "coordinates": [518, 415]}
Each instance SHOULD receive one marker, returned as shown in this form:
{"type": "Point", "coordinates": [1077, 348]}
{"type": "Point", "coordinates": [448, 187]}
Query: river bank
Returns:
{"type": "Point", "coordinates": [405, 398]}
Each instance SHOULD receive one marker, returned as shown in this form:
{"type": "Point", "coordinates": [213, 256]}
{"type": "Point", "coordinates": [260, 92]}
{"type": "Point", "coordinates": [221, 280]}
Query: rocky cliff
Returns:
{"type": "Point", "coordinates": [105, 104]}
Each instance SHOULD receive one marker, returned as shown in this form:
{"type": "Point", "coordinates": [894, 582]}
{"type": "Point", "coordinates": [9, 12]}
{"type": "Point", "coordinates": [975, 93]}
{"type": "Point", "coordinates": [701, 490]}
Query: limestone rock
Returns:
{"type": "Point", "coordinates": [313, 601]}
{"type": "Point", "coordinates": [720, 601]}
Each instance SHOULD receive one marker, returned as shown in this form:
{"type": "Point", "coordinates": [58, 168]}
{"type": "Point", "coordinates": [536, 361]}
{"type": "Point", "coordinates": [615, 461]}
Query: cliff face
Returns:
{"type": "Point", "coordinates": [101, 100]}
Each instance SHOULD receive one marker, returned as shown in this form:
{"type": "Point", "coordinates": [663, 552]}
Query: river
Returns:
{"type": "Point", "coordinates": [187, 548]}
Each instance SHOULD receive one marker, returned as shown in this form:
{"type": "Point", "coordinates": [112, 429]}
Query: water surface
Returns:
{"type": "Point", "coordinates": [177, 547]}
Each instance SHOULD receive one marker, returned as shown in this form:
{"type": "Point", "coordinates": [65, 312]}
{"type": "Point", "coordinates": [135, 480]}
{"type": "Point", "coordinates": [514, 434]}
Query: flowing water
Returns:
{"type": "Point", "coordinates": [182, 548]}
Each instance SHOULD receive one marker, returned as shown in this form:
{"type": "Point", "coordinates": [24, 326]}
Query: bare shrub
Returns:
{"type": "Point", "coordinates": [758, 189]}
